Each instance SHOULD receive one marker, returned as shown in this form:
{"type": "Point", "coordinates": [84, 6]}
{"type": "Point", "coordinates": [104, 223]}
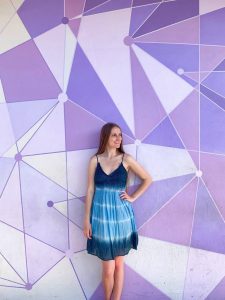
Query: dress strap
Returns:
{"type": "Point", "coordinates": [97, 157]}
{"type": "Point", "coordinates": [122, 157]}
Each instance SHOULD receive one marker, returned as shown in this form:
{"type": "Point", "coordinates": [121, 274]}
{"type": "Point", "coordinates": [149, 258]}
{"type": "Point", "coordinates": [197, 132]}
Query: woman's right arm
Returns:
{"type": "Point", "coordinates": [89, 196]}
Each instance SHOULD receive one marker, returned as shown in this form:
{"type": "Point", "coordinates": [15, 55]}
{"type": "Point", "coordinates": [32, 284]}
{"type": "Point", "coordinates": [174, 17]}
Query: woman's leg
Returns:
{"type": "Point", "coordinates": [108, 268]}
{"type": "Point", "coordinates": [118, 277]}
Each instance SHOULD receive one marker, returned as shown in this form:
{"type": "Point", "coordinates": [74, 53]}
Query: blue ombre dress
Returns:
{"type": "Point", "coordinates": [114, 230]}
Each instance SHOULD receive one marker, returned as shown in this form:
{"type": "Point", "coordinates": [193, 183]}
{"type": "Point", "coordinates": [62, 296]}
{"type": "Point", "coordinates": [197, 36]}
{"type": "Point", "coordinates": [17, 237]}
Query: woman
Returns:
{"type": "Point", "coordinates": [109, 223]}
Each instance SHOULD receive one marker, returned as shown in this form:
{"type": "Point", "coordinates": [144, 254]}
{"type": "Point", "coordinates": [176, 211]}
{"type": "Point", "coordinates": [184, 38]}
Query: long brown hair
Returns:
{"type": "Point", "coordinates": [104, 137]}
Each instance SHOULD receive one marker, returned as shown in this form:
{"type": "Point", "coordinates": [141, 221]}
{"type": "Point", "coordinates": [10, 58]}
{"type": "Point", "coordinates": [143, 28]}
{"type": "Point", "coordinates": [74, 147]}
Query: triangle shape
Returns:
{"type": "Point", "coordinates": [40, 258]}
{"type": "Point", "coordinates": [51, 44]}
{"type": "Point", "coordinates": [25, 114]}
{"type": "Point", "coordinates": [211, 57]}
{"type": "Point", "coordinates": [170, 92]}
{"type": "Point", "coordinates": [139, 15]}
{"type": "Point", "coordinates": [148, 111]}
{"type": "Point", "coordinates": [188, 113]}
{"type": "Point", "coordinates": [207, 6]}
{"type": "Point", "coordinates": [214, 82]}
{"type": "Point", "coordinates": [168, 13]}
{"type": "Point", "coordinates": [186, 31]}
{"type": "Point", "coordinates": [8, 37]}
{"type": "Point", "coordinates": [175, 218]}
{"type": "Point", "coordinates": [208, 224]}
{"type": "Point", "coordinates": [161, 191]}
{"type": "Point", "coordinates": [51, 165]}
{"type": "Point", "coordinates": [164, 135]}
{"type": "Point", "coordinates": [50, 137]}
{"type": "Point", "coordinates": [6, 167]}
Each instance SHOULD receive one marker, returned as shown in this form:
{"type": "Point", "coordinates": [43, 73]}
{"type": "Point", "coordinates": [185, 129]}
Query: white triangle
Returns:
{"type": "Point", "coordinates": [13, 249]}
{"type": "Point", "coordinates": [207, 6]}
{"type": "Point", "coordinates": [6, 12]}
{"type": "Point", "coordinates": [60, 282]}
{"type": "Point", "coordinates": [70, 47]}
{"type": "Point", "coordinates": [110, 57]}
{"type": "Point", "coordinates": [28, 135]}
{"type": "Point", "coordinates": [10, 201]}
{"type": "Point", "coordinates": [7, 272]}
{"type": "Point", "coordinates": [50, 137]}
{"type": "Point", "coordinates": [61, 207]}
{"type": "Point", "coordinates": [205, 270]}
{"type": "Point", "coordinates": [52, 165]}
{"type": "Point", "coordinates": [169, 87]}
{"type": "Point", "coordinates": [52, 47]}
{"type": "Point", "coordinates": [162, 264]}
{"type": "Point", "coordinates": [8, 37]}
{"type": "Point", "coordinates": [165, 162]}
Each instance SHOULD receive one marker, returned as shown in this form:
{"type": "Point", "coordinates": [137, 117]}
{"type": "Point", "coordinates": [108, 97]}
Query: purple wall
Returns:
{"type": "Point", "coordinates": [157, 68]}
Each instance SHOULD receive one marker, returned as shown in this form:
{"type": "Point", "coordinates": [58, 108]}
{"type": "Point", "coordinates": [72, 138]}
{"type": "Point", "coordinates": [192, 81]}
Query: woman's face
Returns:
{"type": "Point", "coordinates": [115, 138]}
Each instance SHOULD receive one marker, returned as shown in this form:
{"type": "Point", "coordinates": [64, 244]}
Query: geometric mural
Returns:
{"type": "Point", "coordinates": [157, 68]}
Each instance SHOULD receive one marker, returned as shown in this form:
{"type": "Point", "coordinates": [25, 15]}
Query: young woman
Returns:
{"type": "Point", "coordinates": [109, 222]}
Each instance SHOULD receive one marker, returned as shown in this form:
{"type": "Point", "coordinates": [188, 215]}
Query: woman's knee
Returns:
{"type": "Point", "coordinates": [108, 268]}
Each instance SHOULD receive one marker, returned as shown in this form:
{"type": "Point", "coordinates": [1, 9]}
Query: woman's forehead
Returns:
{"type": "Point", "coordinates": [115, 130]}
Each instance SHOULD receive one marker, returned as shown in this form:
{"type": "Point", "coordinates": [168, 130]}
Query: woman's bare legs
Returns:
{"type": "Point", "coordinates": [118, 277]}
{"type": "Point", "coordinates": [108, 268]}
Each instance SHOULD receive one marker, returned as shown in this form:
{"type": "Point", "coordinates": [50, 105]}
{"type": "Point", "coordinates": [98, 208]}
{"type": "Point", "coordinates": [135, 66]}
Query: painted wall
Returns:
{"type": "Point", "coordinates": [157, 68]}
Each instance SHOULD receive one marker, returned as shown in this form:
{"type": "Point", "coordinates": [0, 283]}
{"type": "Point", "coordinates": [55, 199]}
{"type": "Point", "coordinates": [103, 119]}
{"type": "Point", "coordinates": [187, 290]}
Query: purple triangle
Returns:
{"type": "Point", "coordinates": [169, 13]}
{"type": "Point", "coordinates": [210, 27]}
{"type": "Point", "coordinates": [139, 15]}
{"type": "Point", "coordinates": [187, 112]}
{"type": "Point", "coordinates": [86, 89]}
{"type": "Point", "coordinates": [218, 292]}
{"type": "Point", "coordinates": [34, 80]}
{"type": "Point", "coordinates": [41, 219]}
{"type": "Point", "coordinates": [50, 12]}
{"type": "Point", "coordinates": [156, 196]}
{"type": "Point", "coordinates": [215, 82]}
{"type": "Point", "coordinates": [208, 228]}
{"type": "Point", "coordinates": [25, 114]}
{"type": "Point", "coordinates": [74, 8]}
{"type": "Point", "coordinates": [109, 6]}
{"type": "Point", "coordinates": [174, 56]}
{"type": "Point", "coordinates": [173, 223]}
{"type": "Point", "coordinates": [164, 135]}
{"type": "Point", "coordinates": [135, 288]}
{"type": "Point", "coordinates": [212, 127]}
{"type": "Point", "coordinates": [219, 100]}
{"type": "Point", "coordinates": [148, 110]}
{"type": "Point", "coordinates": [221, 66]}
{"type": "Point", "coordinates": [89, 4]}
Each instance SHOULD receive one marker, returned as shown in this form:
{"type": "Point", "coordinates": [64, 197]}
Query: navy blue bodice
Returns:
{"type": "Point", "coordinates": [116, 179]}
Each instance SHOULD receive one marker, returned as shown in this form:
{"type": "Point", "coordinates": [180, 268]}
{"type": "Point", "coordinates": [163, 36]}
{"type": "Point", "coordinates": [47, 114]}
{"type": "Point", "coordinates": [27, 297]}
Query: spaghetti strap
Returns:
{"type": "Point", "coordinates": [97, 157]}
{"type": "Point", "coordinates": [122, 157]}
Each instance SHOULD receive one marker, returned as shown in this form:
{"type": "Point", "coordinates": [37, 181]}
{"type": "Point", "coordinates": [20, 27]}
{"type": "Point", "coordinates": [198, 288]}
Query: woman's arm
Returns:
{"type": "Point", "coordinates": [134, 166]}
{"type": "Point", "coordinates": [89, 196]}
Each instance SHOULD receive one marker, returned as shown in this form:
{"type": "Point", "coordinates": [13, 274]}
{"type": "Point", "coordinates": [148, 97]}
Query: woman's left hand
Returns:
{"type": "Point", "coordinates": [125, 196]}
